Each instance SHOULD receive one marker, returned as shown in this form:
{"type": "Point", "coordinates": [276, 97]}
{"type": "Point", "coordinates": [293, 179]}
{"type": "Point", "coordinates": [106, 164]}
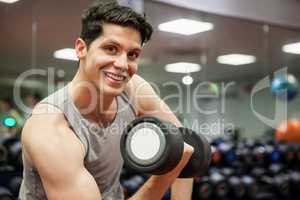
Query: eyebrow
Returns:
{"type": "Point", "coordinates": [118, 44]}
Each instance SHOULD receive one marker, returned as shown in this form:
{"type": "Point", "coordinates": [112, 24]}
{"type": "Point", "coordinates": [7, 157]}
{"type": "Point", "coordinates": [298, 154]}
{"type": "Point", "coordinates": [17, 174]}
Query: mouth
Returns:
{"type": "Point", "coordinates": [115, 77]}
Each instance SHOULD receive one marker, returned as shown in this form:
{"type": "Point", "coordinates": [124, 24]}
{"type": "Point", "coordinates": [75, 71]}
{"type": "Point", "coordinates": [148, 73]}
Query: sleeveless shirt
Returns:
{"type": "Point", "coordinates": [102, 159]}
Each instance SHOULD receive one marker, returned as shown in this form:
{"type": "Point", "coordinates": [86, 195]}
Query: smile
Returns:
{"type": "Point", "coordinates": [116, 77]}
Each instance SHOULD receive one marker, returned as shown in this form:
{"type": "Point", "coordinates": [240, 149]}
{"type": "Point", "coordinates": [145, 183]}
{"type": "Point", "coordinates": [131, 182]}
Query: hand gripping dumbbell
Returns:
{"type": "Point", "coordinates": [150, 145]}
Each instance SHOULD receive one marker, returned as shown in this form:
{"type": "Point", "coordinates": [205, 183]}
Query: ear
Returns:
{"type": "Point", "coordinates": [80, 48]}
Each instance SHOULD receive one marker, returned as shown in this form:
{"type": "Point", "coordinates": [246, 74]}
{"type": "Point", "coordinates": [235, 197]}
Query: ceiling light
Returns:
{"type": "Point", "coordinates": [292, 48]}
{"type": "Point", "coordinates": [9, 1]}
{"type": "Point", "coordinates": [236, 59]}
{"type": "Point", "coordinates": [182, 67]}
{"type": "Point", "coordinates": [187, 80]}
{"type": "Point", "coordinates": [185, 26]}
{"type": "Point", "coordinates": [66, 54]}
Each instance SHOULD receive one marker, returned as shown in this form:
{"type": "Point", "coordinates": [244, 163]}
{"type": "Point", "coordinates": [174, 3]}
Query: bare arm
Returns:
{"type": "Point", "coordinates": [156, 186]}
{"type": "Point", "coordinates": [148, 103]}
{"type": "Point", "coordinates": [53, 149]}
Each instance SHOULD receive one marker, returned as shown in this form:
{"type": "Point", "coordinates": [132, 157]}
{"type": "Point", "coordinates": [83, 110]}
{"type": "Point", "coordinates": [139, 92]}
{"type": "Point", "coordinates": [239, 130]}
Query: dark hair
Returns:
{"type": "Point", "coordinates": [9, 101]}
{"type": "Point", "coordinates": [102, 12]}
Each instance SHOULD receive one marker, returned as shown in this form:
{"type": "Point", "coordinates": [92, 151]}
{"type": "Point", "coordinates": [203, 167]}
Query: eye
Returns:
{"type": "Point", "coordinates": [133, 55]}
{"type": "Point", "coordinates": [111, 49]}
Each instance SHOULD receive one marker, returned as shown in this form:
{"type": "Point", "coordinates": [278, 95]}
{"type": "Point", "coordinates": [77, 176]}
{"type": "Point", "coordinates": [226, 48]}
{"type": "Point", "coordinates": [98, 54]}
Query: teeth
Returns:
{"type": "Point", "coordinates": [115, 76]}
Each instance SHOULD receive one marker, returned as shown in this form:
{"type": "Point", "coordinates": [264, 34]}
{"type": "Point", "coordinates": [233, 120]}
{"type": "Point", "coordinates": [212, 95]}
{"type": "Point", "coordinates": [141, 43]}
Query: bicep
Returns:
{"type": "Point", "coordinates": [65, 178]}
{"type": "Point", "coordinates": [78, 185]}
{"type": "Point", "coordinates": [58, 157]}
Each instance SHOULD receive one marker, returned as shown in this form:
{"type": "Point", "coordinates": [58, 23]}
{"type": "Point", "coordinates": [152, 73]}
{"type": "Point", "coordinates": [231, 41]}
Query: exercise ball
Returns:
{"type": "Point", "coordinates": [282, 83]}
{"type": "Point", "coordinates": [288, 131]}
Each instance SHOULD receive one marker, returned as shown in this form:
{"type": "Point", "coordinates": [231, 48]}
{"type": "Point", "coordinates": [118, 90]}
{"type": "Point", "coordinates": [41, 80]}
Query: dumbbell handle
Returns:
{"type": "Point", "coordinates": [200, 160]}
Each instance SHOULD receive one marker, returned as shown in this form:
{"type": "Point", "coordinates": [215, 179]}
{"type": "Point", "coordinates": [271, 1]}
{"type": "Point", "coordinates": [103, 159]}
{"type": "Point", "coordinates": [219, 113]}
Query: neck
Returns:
{"type": "Point", "coordinates": [91, 102]}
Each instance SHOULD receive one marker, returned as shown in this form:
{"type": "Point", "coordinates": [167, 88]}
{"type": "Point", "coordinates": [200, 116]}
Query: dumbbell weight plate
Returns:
{"type": "Point", "coordinates": [146, 145]}
{"type": "Point", "coordinates": [15, 184]}
{"type": "Point", "coordinates": [3, 153]}
{"type": "Point", "coordinates": [5, 194]}
{"type": "Point", "coordinates": [165, 142]}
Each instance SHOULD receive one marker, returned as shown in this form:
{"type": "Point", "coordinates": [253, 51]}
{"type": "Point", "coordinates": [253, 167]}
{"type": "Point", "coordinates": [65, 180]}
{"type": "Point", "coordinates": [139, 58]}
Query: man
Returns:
{"type": "Point", "coordinates": [71, 141]}
{"type": "Point", "coordinates": [31, 100]}
{"type": "Point", "coordinates": [7, 111]}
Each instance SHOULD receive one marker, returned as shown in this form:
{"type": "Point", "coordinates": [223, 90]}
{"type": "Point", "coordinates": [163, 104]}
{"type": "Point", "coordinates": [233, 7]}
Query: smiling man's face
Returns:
{"type": "Point", "coordinates": [112, 59]}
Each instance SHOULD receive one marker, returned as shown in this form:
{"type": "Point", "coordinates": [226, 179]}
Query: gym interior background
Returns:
{"type": "Point", "coordinates": [239, 102]}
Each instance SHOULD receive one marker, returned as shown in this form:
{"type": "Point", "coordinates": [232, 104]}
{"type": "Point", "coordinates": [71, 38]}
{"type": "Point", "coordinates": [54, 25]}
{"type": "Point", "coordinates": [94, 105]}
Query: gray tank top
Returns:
{"type": "Point", "coordinates": [102, 148]}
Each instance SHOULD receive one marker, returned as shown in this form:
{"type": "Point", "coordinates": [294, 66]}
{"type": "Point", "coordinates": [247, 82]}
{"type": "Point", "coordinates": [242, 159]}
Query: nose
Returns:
{"type": "Point", "coordinates": [121, 62]}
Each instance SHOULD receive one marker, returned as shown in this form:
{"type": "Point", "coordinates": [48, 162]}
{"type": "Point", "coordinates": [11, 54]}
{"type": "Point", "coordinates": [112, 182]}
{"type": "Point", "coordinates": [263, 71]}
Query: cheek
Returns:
{"type": "Point", "coordinates": [90, 64]}
{"type": "Point", "coordinates": [132, 70]}
{"type": "Point", "coordinates": [101, 61]}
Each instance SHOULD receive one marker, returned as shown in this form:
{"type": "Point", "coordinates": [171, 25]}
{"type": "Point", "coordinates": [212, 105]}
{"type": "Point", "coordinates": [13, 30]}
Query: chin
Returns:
{"type": "Point", "coordinates": [112, 91]}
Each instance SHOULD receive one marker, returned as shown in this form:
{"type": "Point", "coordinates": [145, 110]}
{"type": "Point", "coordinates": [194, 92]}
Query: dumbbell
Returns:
{"type": "Point", "coordinates": [274, 155]}
{"type": "Point", "coordinates": [15, 184]}
{"type": "Point", "coordinates": [236, 187]}
{"type": "Point", "coordinates": [270, 180]}
{"type": "Point", "coordinates": [295, 184]}
{"type": "Point", "coordinates": [258, 172]}
{"type": "Point", "coordinates": [5, 194]}
{"type": "Point", "coordinates": [202, 189]}
{"type": "Point", "coordinates": [280, 184]}
{"type": "Point", "coordinates": [216, 156]}
{"type": "Point", "coordinates": [132, 185]}
{"type": "Point", "coordinates": [3, 154]}
{"type": "Point", "coordinates": [227, 171]}
{"type": "Point", "coordinates": [259, 155]}
{"type": "Point", "coordinates": [275, 169]}
{"type": "Point", "coordinates": [295, 151]}
{"type": "Point", "coordinates": [3, 149]}
{"type": "Point", "coordinates": [223, 153]}
{"type": "Point", "coordinates": [251, 186]}
{"type": "Point", "coordinates": [219, 185]}
{"type": "Point", "coordinates": [287, 153]}
{"type": "Point", "coordinates": [11, 151]}
{"type": "Point", "coordinates": [150, 145]}
{"type": "Point", "coordinates": [213, 186]}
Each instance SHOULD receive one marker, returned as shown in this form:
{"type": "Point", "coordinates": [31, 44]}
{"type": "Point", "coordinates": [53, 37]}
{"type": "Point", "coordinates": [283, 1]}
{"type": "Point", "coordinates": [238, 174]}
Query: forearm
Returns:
{"type": "Point", "coordinates": [182, 189]}
{"type": "Point", "coordinates": [157, 185]}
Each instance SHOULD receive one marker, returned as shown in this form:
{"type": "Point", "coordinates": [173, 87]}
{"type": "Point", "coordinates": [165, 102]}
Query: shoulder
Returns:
{"type": "Point", "coordinates": [139, 86]}
{"type": "Point", "coordinates": [142, 95]}
{"type": "Point", "coordinates": [47, 132]}
{"type": "Point", "coordinates": [44, 116]}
